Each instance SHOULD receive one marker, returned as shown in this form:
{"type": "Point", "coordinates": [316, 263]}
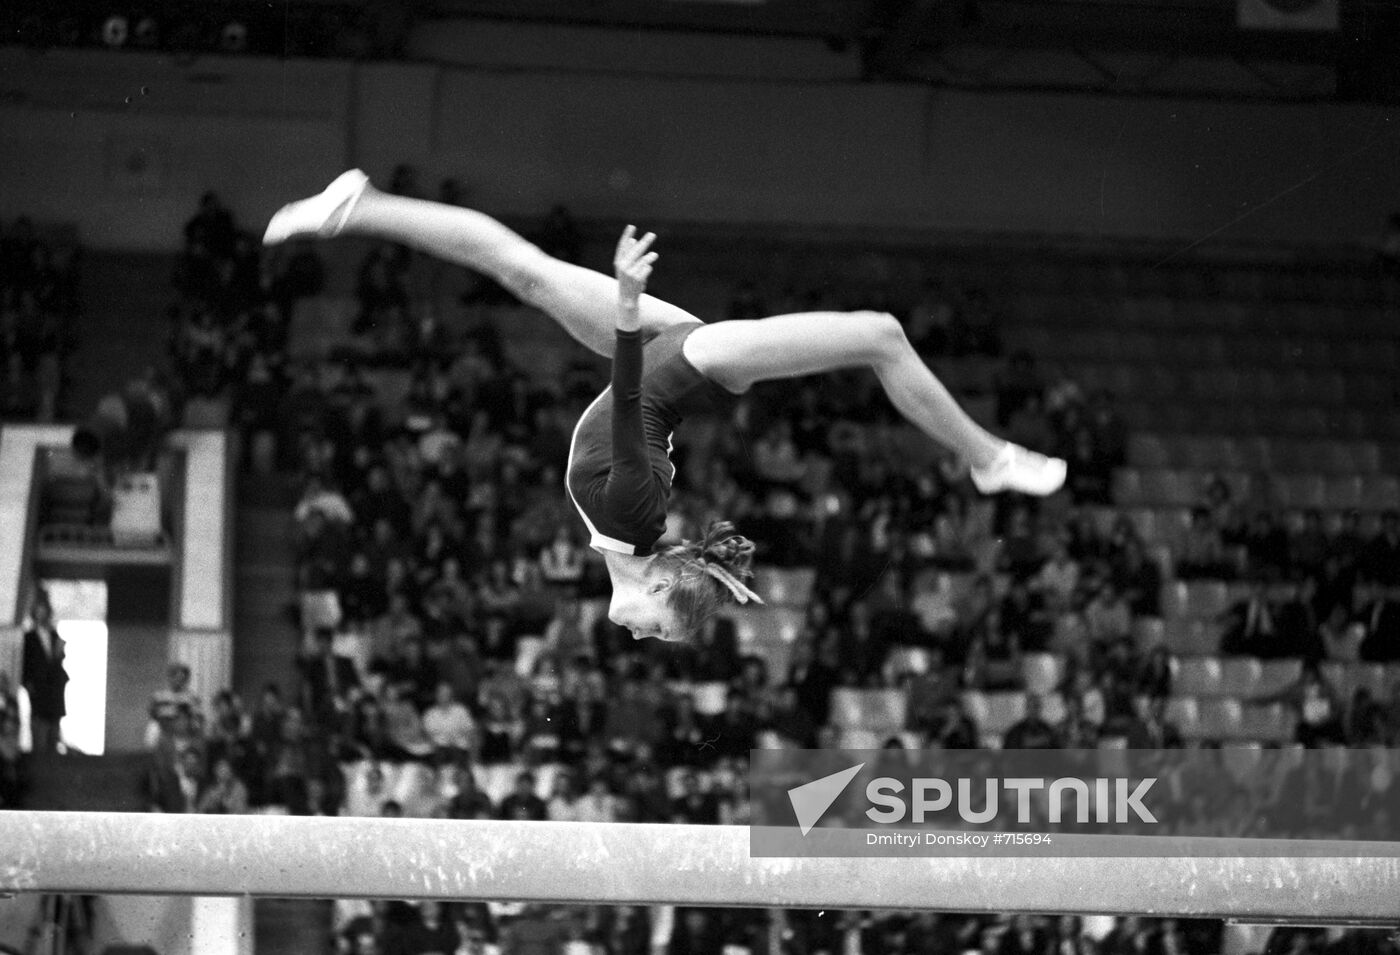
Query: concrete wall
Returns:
{"type": "Point", "coordinates": [715, 149]}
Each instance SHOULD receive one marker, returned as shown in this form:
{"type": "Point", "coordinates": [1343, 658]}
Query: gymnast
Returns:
{"type": "Point", "coordinates": [666, 364]}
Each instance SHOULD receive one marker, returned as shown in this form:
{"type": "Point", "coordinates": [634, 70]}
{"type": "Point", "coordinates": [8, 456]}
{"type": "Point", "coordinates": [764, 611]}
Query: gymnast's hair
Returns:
{"type": "Point", "coordinates": [709, 573]}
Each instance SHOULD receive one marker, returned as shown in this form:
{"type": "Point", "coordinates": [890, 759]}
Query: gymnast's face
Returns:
{"type": "Point", "coordinates": [642, 608]}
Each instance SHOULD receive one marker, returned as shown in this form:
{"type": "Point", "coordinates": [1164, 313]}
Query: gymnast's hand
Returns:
{"type": "Point", "coordinates": [633, 266]}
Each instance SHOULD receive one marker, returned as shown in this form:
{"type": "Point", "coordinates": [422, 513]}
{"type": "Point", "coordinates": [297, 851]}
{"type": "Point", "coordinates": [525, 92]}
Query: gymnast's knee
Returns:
{"type": "Point", "coordinates": [886, 337]}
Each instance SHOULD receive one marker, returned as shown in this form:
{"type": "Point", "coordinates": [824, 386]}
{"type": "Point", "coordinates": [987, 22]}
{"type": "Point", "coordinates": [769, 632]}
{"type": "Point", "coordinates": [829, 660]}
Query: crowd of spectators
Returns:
{"type": "Point", "coordinates": [39, 313]}
{"type": "Point", "coordinates": [450, 614]}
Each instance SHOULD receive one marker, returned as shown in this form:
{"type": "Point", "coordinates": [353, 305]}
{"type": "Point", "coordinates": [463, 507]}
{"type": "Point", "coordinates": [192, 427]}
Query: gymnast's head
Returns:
{"type": "Point", "coordinates": [684, 585]}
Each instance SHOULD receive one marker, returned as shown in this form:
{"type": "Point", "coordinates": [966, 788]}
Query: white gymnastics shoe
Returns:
{"type": "Point", "coordinates": [1016, 469]}
{"type": "Point", "coordinates": [322, 215]}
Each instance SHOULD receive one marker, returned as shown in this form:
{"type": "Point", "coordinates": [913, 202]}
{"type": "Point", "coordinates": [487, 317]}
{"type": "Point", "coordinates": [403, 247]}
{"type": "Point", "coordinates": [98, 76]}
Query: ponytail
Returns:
{"type": "Point", "coordinates": [710, 573]}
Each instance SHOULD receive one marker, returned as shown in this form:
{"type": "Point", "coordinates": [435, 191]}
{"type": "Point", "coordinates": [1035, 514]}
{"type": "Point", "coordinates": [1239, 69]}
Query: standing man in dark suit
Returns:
{"type": "Point", "coordinates": [328, 679]}
{"type": "Point", "coordinates": [44, 677]}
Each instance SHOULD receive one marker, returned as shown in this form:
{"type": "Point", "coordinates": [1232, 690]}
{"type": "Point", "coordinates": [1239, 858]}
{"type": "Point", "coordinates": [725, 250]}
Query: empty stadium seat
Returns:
{"type": "Point", "coordinates": [1346, 678]}
{"type": "Point", "coordinates": [1242, 759]}
{"type": "Point", "coordinates": [1343, 491]}
{"type": "Point", "coordinates": [1221, 719]}
{"type": "Point", "coordinates": [1276, 675]}
{"type": "Point", "coordinates": [1149, 632]}
{"type": "Point", "coordinates": [862, 739]}
{"type": "Point", "coordinates": [1185, 714]}
{"type": "Point", "coordinates": [710, 698]}
{"type": "Point", "coordinates": [1189, 637]}
{"type": "Point", "coordinates": [1379, 492]}
{"type": "Point", "coordinates": [882, 710]}
{"type": "Point", "coordinates": [1200, 599]}
{"type": "Point", "coordinates": [1268, 723]}
{"type": "Point", "coordinates": [1196, 676]}
{"type": "Point", "coordinates": [785, 586]}
{"type": "Point", "coordinates": [1127, 487]}
{"type": "Point", "coordinates": [994, 713]}
{"type": "Point", "coordinates": [1240, 676]}
{"type": "Point", "coordinates": [902, 660]}
{"type": "Point", "coordinates": [760, 624]}
{"type": "Point", "coordinates": [1041, 673]}
{"type": "Point", "coordinates": [1147, 451]}
{"type": "Point", "coordinates": [1301, 491]}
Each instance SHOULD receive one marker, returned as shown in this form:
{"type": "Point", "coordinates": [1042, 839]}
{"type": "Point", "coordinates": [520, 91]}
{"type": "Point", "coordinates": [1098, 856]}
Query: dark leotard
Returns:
{"type": "Point", "coordinates": [620, 468]}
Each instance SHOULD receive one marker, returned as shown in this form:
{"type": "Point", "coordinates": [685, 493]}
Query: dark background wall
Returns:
{"type": "Point", "coordinates": [123, 143]}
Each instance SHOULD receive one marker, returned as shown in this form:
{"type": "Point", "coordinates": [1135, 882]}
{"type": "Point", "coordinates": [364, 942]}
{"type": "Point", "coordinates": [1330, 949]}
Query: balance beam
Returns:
{"type": "Point", "coordinates": [301, 857]}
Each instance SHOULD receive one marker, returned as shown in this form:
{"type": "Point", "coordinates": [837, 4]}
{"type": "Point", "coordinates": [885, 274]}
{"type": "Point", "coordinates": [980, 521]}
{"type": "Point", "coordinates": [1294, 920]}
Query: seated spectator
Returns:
{"type": "Point", "coordinates": [1057, 579]}
{"type": "Point", "coordinates": [560, 236]}
{"type": "Point", "coordinates": [1380, 558]}
{"type": "Point", "coordinates": [1109, 430]}
{"type": "Point", "coordinates": [1315, 707]}
{"type": "Point", "coordinates": [1341, 637]}
{"type": "Point", "coordinates": [467, 801]}
{"type": "Point", "coordinates": [450, 726]}
{"type": "Point", "coordinates": [775, 456]}
{"type": "Point", "coordinates": [328, 680]}
{"type": "Point", "coordinates": [1266, 545]}
{"type": "Point", "coordinates": [423, 927]}
{"type": "Point", "coordinates": [1024, 616]}
{"type": "Point", "coordinates": [223, 792]}
{"type": "Point", "coordinates": [788, 721]}
{"type": "Point", "coordinates": [1031, 731]}
{"type": "Point", "coordinates": [1379, 614]}
{"type": "Point", "coordinates": [1139, 578]}
{"type": "Point", "coordinates": [212, 227]}
{"type": "Point", "coordinates": [292, 761]}
{"type": "Point", "coordinates": [229, 733]}
{"type": "Point", "coordinates": [174, 785]}
{"type": "Point", "coordinates": [687, 736]}
{"type": "Point", "coordinates": [1090, 468]}
{"type": "Point", "coordinates": [951, 727]}
{"type": "Point", "coordinates": [502, 729]}
{"type": "Point", "coordinates": [598, 802]}
{"type": "Point", "coordinates": [545, 739]}
{"type": "Point", "coordinates": [1307, 549]}
{"type": "Point", "coordinates": [403, 723]}
{"type": "Point", "coordinates": [382, 299]}
{"type": "Point", "coordinates": [862, 648]}
{"type": "Point", "coordinates": [563, 802]}
{"type": "Point", "coordinates": [1108, 615]}
{"type": "Point", "coordinates": [1201, 551]}
{"type": "Point", "coordinates": [1149, 727]}
{"type": "Point", "coordinates": [1075, 730]}
{"type": "Point", "coordinates": [180, 733]}
{"type": "Point", "coordinates": [561, 562]}
{"type": "Point", "coordinates": [1154, 679]}
{"type": "Point", "coordinates": [407, 667]}
{"type": "Point", "coordinates": [1364, 722]}
{"type": "Point", "coordinates": [993, 657]}
{"type": "Point", "coordinates": [1251, 627]}
{"type": "Point", "coordinates": [975, 326]}
{"type": "Point", "coordinates": [522, 803]}
{"type": "Point", "coordinates": [1021, 553]}
{"type": "Point", "coordinates": [1086, 697]}
{"type": "Point", "coordinates": [692, 804]}
{"type": "Point", "coordinates": [930, 321]}
{"type": "Point", "coordinates": [166, 701]}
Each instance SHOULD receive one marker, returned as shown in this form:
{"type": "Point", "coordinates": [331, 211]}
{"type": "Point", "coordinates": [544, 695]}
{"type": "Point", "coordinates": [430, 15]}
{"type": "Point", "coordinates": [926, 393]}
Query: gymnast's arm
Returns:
{"type": "Point", "coordinates": [631, 468]}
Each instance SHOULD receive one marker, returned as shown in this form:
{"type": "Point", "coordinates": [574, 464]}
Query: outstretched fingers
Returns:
{"type": "Point", "coordinates": [631, 250]}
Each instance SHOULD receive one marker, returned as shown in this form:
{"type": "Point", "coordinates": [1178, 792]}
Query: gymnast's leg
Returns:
{"type": "Point", "coordinates": [738, 354]}
{"type": "Point", "coordinates": [584, 302]}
